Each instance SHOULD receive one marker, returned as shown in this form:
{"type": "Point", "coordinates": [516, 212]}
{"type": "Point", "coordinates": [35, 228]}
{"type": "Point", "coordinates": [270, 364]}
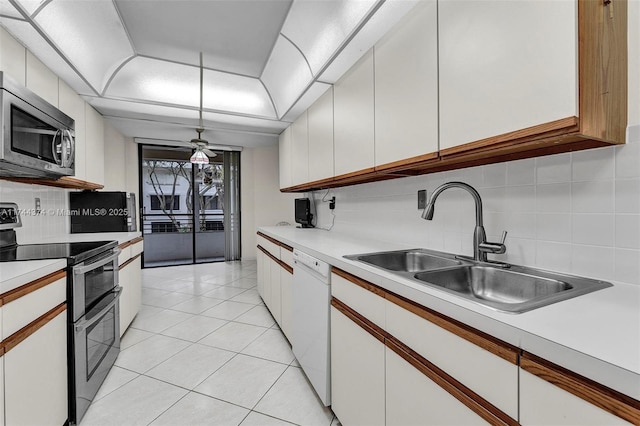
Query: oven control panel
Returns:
{"type": "Point", "coordinates": [9, 216]}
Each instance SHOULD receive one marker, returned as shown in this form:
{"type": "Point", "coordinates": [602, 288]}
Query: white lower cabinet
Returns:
{"type": "Point", "coordinates": [131, 297]}
{"type": "Point", "coordinates": [414, 399]}
{"type": "Point", "coordinates": [275, 305]}
{"type": "Point", "coordinates": [35, 377]}
{"type": "Point", "coordinates": [286, 305]}
{"type": "Point", "coordinates": [357, 373]}
{"type": "Point", "coordinates": [130, 279]}
{"type": "Point", "coordinates": [543, 403]}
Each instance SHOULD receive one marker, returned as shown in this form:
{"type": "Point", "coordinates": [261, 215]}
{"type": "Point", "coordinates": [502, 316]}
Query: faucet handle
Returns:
{"type": "Point", "coordinates": [504, 237]}
{"type": "Point", "coordinates": [496, 248]}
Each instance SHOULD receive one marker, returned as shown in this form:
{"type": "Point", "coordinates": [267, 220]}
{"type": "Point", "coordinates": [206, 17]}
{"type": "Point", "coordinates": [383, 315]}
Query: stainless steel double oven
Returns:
{"type": "Point", "coordinates": [93, 312]}
{"type": "Point", "coordinates": [94, 327]}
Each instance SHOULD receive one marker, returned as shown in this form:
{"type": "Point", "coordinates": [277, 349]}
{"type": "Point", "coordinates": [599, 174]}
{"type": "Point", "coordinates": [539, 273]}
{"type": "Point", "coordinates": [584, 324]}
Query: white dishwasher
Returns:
{"type": "Point", "coordinates": [311, 300]}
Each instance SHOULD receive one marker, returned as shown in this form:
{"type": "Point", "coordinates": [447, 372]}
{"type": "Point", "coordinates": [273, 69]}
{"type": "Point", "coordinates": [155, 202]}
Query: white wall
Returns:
{"type": "Point", "coordinates": [261, 202]}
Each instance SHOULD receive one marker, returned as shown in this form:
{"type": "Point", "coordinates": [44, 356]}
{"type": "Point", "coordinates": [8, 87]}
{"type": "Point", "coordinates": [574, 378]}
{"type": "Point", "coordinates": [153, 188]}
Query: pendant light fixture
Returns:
{"type": "Point", "coordinates": [202, 154]}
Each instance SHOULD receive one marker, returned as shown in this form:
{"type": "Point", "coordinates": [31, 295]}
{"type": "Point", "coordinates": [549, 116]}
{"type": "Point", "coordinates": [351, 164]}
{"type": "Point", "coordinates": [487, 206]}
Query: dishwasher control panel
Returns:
{"type": "Point", "coordinates": [311, 262]}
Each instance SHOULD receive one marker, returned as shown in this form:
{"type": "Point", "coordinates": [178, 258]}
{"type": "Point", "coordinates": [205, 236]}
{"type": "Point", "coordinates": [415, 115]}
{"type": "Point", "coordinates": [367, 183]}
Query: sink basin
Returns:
{"type": "Point", "coordinates": [513, 289]}
{"type": "Point", "coordinates": [406, 260]}
{"type": "Point", "coordinates": [517, 289]}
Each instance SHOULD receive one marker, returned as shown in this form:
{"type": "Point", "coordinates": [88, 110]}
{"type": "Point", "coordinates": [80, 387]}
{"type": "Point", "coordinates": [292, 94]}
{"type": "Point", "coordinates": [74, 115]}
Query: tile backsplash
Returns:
{"type": "Point", "coordinates": [52, 221]}
{"type": "Point", "coordinates": [576, 213]}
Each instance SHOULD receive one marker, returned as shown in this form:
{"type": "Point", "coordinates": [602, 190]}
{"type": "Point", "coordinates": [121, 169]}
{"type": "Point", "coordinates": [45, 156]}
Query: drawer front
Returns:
{"type": "Point", "coordinates": [490, 376]}
{"type": "Point", "coordinates": [272, 248]}
{"type": "Point", "coordinates": [286, 256]}
{"type": "Point", "coordinates": [543, 403]}
{"type": "Point", "coordinates": [125, 254]}
{"type": "Point", "coordinates": [22, 311]}
{"type": "Point", "coordinates": [364, 302]}
{"type": "Point", "coordinates": [137, 248]}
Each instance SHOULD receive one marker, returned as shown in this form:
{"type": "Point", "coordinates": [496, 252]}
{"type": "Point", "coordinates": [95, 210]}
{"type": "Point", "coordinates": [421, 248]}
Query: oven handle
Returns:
{"type": "Point", "coordinates": [81, 270]}
{"type": "Point", "coordinates": [82, 325]}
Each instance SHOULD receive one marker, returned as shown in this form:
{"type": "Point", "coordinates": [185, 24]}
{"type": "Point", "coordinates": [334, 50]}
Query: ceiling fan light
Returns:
{"type": "Point", "coordinates": [199, 157]}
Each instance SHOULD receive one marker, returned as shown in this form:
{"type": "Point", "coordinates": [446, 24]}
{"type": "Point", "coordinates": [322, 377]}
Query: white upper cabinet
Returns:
{"type": "Point", "coordinates": [285, 153]}
{"type": "Point", "coordinates": [406, 87]}
{"type": "Point", "coordinates": [505, 66]}
{"type": "Point", "coordinates": [41, 80]}
{"type": "Point", "coordinates": [94, 145]}
{"type": "Point", "coordinates": [320, 118]}
{"type": "Point", "coordinates": [353, 98]}
{"type": "Point", "coordinates": [73, 105]}
{"type": "Point", "coordinates": [12, 57]}
{"type": "Point", "coordinates": [300, 150]}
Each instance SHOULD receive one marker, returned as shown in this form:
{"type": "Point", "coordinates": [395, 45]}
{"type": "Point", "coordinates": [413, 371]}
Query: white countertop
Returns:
{"type": "Point", "coordinates": [15, 274]}
{"type": "Point", "coordinates": [121, 237]}
{"type": "Point", "coordinates": [596, 335]}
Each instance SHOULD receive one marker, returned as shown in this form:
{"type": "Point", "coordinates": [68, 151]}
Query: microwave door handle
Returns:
{"type": "Point", "coordinates": [67, 160]}
{"type": "Point", "coordinates": [81, 270]}
{"type": "Point", "coordinates": [83, 325]}
{"type": "Point", "coordinates": [54, 148]}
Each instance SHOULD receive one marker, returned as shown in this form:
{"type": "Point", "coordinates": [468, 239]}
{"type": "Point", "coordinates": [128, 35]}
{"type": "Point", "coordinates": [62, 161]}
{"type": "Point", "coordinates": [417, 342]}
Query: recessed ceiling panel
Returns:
{"type": "Point", "coordinates": [236, 94]}
{"type": "Point", "coordinates": [90, 34]}
{"type": "Point", "coordinates": [286, 75]}
{"type": "Point", "coordinates": [24, 32]}
{"type": "Point", "coordinates": [158, 81]}
{"type": "Point", "coordinates": [7, 9]}
{"type": "Point", "coordinates": [234, 35]}
{"type": "Point", "coordinates": [187, 117]}
{"type": "Point", "coordinates": [182, 134]}
{"type": "Point", "coordinates": [319, 28]}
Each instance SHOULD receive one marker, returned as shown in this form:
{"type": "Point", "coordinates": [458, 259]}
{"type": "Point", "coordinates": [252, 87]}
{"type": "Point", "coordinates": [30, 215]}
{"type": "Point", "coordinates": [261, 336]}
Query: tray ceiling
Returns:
{"type": "Point", "coordinates": [137, 61]}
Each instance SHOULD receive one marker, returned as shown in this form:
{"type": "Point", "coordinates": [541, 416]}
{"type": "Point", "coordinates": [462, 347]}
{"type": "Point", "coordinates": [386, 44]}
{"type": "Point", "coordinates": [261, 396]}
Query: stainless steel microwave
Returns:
{"type": "Point", "coordinates": [37, 140]}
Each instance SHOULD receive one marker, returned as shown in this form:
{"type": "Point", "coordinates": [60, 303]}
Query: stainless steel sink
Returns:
{"type": "Point", "coordinates": [406, 260]}
{"type": "Point", "coordinates": [512, 289]}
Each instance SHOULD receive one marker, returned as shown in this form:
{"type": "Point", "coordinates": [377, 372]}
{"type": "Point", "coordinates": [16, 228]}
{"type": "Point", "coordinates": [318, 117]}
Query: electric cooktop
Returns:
{"type": "Point", "coordinates": [74, 252]}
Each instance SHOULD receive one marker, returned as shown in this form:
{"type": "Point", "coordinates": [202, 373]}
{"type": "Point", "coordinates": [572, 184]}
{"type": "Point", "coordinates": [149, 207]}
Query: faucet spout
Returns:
{"type": "Point", "coordinates": [480, 245]}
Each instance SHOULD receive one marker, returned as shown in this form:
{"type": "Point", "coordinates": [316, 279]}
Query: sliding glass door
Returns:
{"type": "Point", "coordinates": [188, 210]}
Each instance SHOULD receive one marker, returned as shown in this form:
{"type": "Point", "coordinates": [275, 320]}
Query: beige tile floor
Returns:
{"type": "Point", "coordinates": [204, 350]}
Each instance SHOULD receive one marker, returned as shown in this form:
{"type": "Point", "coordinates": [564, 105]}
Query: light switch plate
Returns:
{"type": "Point", "coordinates": [422, 199]}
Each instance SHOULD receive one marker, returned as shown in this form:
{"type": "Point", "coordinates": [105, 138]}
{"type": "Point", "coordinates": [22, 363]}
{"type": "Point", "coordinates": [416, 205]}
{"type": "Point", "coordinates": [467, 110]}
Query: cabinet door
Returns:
{"type": "Point", "coordinates": [476, 365]}
{"type": "Point", "coordinates": [357, 373]}
{"type": "Point", "coordinates": [41, 80]}
{"type": "Point", "coordinates": [300, 150]}
{"type": "Point", "coordinates": [414, 399]}
{"type": "Point", "coordinates": [35, 377]}
{"type": "Point", "coordinates": [73, 105]}
{"type": "Point", "coordinates": [126, 313]}
{"type": "Point", "coordinates": [285, 157]}
{"type": "Point", "coordinates": [260, 272]}
{"type": "Point", "coordinates": [12, 57]}
{"type": "Point", "coordinates": [266, 280]}
{"type": "Point", "coordinates": [505, 66]}
{"type": "Point", "coordinates": [136, 285]}
{"type": "Point", "coordinates": [320, 121]}
{"type": "Point", "coordinates": [276, 297]}
{"type": "Point", "coordinates": [286, 304]}
{"type": "Point", "coordinates": [406, 87]}
{"type": "Point", "coordinates": [542, 403]}
{"type": "Point", "coordinates": [353, 118]}
{"type": "Point", "coordinates": [94, 145]}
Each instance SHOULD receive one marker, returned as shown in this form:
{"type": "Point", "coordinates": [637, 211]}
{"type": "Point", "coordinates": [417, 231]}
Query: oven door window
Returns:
{"type": "Point", "coordinates": [100, 337]}
{"type": "Point", "coordinates": [97, 283]}
{"type": "Point", "coordinates": [33, 137]}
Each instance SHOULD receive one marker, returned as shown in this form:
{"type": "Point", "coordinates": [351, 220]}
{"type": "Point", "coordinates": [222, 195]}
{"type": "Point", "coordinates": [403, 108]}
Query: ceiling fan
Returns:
{"type": "Point", "coordinates": [203, 151]}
